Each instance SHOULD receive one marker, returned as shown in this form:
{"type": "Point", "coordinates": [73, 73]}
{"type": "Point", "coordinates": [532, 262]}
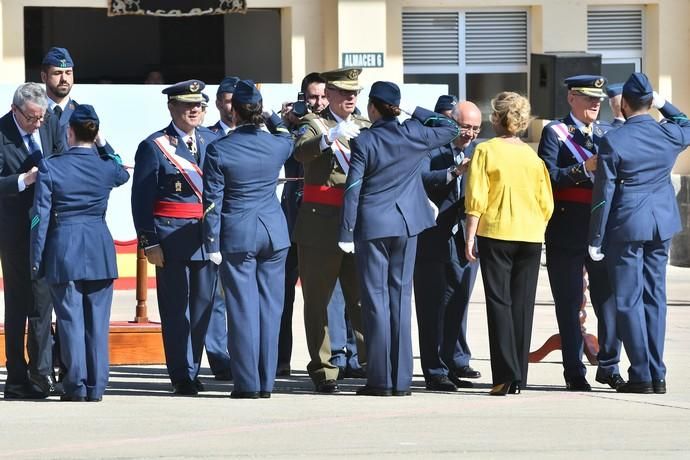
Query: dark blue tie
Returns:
{"type": "Point", "coordinates": [34, 150]}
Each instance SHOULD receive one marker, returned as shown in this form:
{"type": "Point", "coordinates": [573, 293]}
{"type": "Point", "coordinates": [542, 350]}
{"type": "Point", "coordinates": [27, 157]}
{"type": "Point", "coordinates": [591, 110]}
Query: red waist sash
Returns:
{"type": "Point", "coordinates": [178, 210]}
{"type": "Point", "coordinates": [577, 195]}
{"type": "Point", "coordinates": [323, 194]}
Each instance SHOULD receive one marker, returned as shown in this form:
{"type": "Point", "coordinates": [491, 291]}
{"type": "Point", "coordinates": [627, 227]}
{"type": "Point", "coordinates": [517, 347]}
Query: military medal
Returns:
{"type": "Point", "coordinates": [589, 144]}
{"type": "Point", "coordinates": [178, 186]}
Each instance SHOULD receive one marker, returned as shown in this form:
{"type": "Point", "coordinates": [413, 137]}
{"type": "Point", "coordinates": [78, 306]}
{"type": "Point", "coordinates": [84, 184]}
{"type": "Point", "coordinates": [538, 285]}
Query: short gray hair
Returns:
{"type": "Point", "coordinates": [30, 92]}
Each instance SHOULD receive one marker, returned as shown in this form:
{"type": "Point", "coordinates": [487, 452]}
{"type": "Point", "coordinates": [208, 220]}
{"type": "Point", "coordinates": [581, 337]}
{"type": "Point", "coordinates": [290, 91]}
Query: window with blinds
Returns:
{"type": "Point", "coordinates": [614, 29]}
{"type": "Point", "coordinates": [496, 37]}
{"type": "Point", "coordinates": [430, 38]}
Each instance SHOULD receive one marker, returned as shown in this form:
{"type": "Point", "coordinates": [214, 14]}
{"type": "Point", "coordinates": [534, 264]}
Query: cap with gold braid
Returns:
{"type": "Point", "coordinates": [345, 78]}
{"type": "Point", "coordinates": [186, 91]}
{"type": "Point", "coordinates": [588, 85]}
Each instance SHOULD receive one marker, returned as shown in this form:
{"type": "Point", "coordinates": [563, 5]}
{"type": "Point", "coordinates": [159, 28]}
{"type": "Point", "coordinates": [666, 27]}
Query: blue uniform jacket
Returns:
{"type": "Point", "coordinates": [69, 237]}
{"type": "Point", "coordinates": [384, 195]}
{"type": "Point", "coordinates": [240, 179]}
{"type": "Point", "coordinates": [157, 179]}
{"type": "Point", "coordinates": [569, 223]}
{"type": "Point", "coordinates": [633, 196]}
{"type": "Point", "coordinates": [433, 243]}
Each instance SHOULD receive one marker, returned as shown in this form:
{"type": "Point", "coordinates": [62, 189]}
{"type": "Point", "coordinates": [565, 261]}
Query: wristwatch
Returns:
{"type": "Point", "coordinates": [453, 172]}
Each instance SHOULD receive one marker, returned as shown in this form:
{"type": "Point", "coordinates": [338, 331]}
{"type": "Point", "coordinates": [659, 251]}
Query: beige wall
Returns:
{"type": "Point", "coordinates": [316, 32]}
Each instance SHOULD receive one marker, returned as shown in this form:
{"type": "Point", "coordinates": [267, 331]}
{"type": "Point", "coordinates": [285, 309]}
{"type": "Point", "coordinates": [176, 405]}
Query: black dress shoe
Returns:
{"type": "Point", "coordinates": [224, 376]}
{"type": "Point", "coordinates": [577, 384]}
{"type": "Point", "coordinates": [636, 387]}
{"type": "Point", "coordinates": [457, 382]}
{"type": "Point", "coordinates": [402, 393]}
{"type": "Point", "coordinates": [355, 373]}
{"type": "Point", "coordinates": [612, 380]}
{"type": "Point", "coordinates": [283, 370]}
{"type": "Point", "coordinates": [244, 395]}
{"type": "Point", "coordinates": [515, 388]}
{"type": "Point", "coordinates": [94, 398]}
{"type": "Point", "coordinates": [659, 386]}
{"type": "Point", "coordinates": [329, 386]}
{"type": "Point", "coordinates": [264, 394]}
{"type": "Point", "coordinates": [73, 398]}
{"type": "Point", "coordinates": [47, 384]}
{"type": "Point", "coordinates": [440, 383]}
{"type": "Point", "coordinates": [466, 372]}
{"type": "Point", "coordinates": [366, 390]}
{"type": "Point", "coordinates": [23, 391]}
{"type": "Point", "coordinates": [185, 388]}
{"type": "Point", "coordinates": [199, 385]}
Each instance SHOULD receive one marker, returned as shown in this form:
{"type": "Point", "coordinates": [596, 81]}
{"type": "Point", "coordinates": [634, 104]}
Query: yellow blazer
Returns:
{"type": "Point", "coordinates": [509, 189]}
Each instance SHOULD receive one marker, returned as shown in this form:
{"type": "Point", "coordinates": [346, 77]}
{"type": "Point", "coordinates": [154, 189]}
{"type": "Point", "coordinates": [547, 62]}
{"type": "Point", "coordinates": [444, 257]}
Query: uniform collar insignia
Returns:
{"type": "Point", "coordinates": [571, 129]}
{"type": "Point", "coordinates": [173, 140]}
{"type": "Point", "coordinates": [201, 139]}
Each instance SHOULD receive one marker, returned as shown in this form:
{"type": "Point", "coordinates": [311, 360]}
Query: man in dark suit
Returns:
{"type": "Point", "coordinates": [634, 216]}
{"type": "Point", "coordinates": [569, 148]}
{"type": "Point", "coordinates": [216, 342]}
{"type": "Point", "coordinates": [443, 278]}
{"type": "Point", "coordinates": [27, 135]}
{"type": "Point", "coordinates": [166, 205]}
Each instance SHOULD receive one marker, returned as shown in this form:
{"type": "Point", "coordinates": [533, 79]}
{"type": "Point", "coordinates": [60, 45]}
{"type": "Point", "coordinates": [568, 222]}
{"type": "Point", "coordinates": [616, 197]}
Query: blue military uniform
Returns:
{"type": "Point", "coordinates": [72, 248]}
{"type": "Point", "coordinates": [561, 146]}
{"type": "Point", "coordinates": [443, 278]}
{"type": "Point", "coordinates": [634, 216]}
{"type": "Point", "coordinates": [243, 221]}
{"type": "Point", "coordinates": [167, 211]}
{"type": "Point", "coordinates": [216, 342]}
{"type": "Point", "coordinates": [385, 208]}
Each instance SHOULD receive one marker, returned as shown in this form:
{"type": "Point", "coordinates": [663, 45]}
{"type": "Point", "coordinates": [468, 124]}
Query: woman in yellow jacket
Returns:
{"type": "Point", "coordinates": [508, 202]}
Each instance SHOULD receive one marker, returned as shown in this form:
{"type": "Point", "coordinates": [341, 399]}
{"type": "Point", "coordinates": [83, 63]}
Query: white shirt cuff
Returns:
{"type": "Point", "coordinates": [21, 186]}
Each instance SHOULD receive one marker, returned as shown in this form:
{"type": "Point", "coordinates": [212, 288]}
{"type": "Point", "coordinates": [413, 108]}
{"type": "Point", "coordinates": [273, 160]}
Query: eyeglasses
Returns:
{"type": "Point", "coordinates": [30, 119]}
{"type": "Point", "coordinates": [345, 92]}
{"type": "Point", "coordinates": [475, 129]}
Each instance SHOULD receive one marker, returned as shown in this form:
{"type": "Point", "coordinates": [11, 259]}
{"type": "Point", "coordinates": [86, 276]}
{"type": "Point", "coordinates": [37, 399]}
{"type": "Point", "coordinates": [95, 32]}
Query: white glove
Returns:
{"type": "Point", "coordinates": [433, 208]}
{"type": "Point", "coordinates": [595, 253]}
{"type": "Point", "coordinates": [346, 128]}
{"type": "Point", "coordinates": [407, 108]}
{"type": "Point", "coordinates": [347, 247]}
{"type": "Point", "coordinates": [215, 257]}
{"type": "Point", "coordinates": [658, 101]}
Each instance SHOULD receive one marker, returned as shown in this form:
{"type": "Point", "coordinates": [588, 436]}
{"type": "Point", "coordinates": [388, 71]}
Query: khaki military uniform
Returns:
{"type": "Point", "coordinates": [321, 261]}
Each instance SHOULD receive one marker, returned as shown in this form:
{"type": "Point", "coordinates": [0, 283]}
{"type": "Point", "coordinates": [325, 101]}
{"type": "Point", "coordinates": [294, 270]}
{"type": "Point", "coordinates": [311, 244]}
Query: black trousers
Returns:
{"type": "Point", "coordinates": [25, 300]}
{"type": "Point", "coordinates": [510, 270]}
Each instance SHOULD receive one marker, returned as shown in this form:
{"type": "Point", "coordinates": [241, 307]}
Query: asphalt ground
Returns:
{"type": "Point", "coordinates": [139, 418]}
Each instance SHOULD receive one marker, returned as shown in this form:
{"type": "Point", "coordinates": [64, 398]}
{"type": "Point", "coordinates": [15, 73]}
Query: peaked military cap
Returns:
{"type": "Point", "coordinates": [186, 91]}
{"type": "Point", "coordinates": [385, 91]}
{"type": "Point", "coordinates": [84, 113]}
{"type": "Point", "coordinates": [614, 89]}
{"type": "Point", "coordinates": [589, 85]}
{"type": "Point", "coordinates": [346, 78]}
{"type": "Point", "coordinates": [227, 85]}
{"type": "Point", "coordinates": [58, 57]}
{"type": "Point", "coordinates": [638, 87]}
{"type": "Point", "coordinates": [246, 93]}
{"type": "Point", "coordinates": [445, 102]}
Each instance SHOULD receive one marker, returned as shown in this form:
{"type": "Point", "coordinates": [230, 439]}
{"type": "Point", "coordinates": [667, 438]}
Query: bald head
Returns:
{"type": "Point", "coordinates": [469, 118]}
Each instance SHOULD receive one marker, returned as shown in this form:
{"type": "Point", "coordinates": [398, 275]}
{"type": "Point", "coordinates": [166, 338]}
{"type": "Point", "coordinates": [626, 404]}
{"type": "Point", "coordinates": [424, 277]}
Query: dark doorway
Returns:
{"type": "Point", "coordinates": [124, 49]}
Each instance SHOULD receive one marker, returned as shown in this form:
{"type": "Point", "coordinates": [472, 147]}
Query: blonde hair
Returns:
{"type": "Point", "coordinates": [511, 111]}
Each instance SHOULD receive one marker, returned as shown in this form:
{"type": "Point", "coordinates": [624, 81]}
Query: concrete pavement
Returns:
{"type": "Point", "coordinates": [139, 419]}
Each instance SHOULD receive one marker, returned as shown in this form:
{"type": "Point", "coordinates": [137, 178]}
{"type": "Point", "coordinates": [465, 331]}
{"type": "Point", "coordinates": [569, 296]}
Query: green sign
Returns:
{"type": "Point", "coordinates": [362, 60]}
